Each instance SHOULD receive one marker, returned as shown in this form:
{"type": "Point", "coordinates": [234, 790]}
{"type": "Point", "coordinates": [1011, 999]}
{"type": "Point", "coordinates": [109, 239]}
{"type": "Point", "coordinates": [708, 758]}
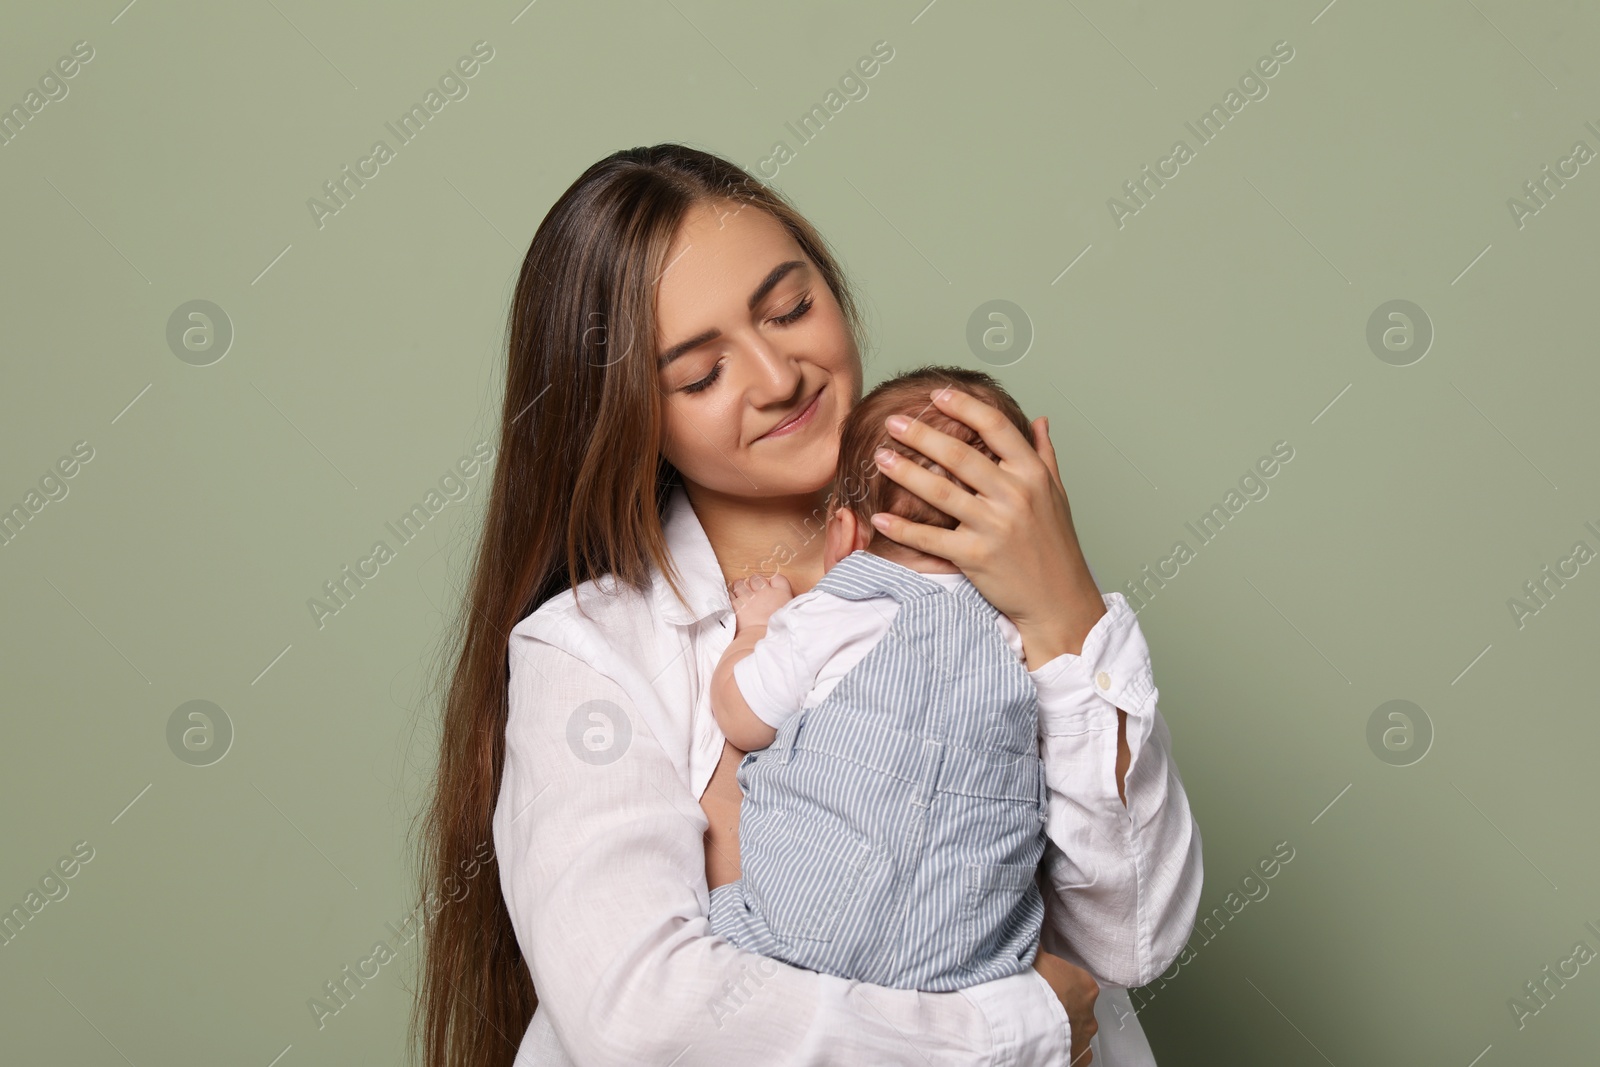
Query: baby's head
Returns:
{"type": "Point", "coordinates": [861, 489]}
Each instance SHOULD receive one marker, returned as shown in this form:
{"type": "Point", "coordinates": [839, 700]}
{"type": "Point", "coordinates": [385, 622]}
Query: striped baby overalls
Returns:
{"type": "Point", "coordinates": [891, 833]}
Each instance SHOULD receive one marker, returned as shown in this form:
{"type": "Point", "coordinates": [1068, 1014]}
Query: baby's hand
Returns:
{"type": "Point", "coordinates": [757, 597]}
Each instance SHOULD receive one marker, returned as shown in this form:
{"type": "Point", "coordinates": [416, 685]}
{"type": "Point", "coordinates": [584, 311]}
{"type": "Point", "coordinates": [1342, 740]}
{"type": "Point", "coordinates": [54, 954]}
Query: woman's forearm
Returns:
{"type": "Point", "coordinates": [721, 802]}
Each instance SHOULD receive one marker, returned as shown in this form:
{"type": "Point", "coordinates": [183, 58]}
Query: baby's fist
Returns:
{"type": "Point", "coordinates": [755, 598]}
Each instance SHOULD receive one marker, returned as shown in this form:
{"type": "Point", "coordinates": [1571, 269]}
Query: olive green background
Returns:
{"type": "Point", "coordinates": [1227, 315]}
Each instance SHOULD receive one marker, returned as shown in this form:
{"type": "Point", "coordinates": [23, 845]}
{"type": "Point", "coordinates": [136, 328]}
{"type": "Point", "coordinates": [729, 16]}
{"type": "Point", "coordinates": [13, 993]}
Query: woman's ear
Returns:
{"type": "Point", "coordinates": [846, 534]}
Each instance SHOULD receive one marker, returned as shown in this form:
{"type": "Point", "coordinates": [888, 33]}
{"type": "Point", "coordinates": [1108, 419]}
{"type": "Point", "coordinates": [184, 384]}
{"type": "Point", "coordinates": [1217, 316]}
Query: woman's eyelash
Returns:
{"type": "Point", "coordinates": [800, 309]}
{"type": "Point", "coordinates": [716, 372]}
{"type": "Point", "coordinates": [707, 381]}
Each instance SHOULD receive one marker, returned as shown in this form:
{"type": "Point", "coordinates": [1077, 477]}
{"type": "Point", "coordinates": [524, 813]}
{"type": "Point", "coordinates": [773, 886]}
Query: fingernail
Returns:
{"type": "Point", "coordinates": [884, 457]}
{"type": "Point", "coordinates": [941, 393]}
{"type": "Point", "coordinates": [881, 521]}
{"type": "Point", "coordinates": [898, 423]}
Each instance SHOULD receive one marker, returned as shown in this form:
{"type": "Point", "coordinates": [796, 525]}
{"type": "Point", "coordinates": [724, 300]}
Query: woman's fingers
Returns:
{"type": "Point", "coordinates": [996, 430]}
{"type": "Point", "coordinates": [934, 540]}
{"type": "Point", "coordinates": [936, 489]}
{"type": "Point", "coordinates": [957, 457]}
{"type": "Point", "coordinates": [1042, 444]}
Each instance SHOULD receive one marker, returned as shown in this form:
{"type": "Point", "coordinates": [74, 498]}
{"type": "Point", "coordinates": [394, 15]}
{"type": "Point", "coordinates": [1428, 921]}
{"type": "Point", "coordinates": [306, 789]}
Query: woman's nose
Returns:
{"type": "Point", "coordinates": [774, 375]}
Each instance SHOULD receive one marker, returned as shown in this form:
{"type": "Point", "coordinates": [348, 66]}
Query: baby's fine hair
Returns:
{"type": "Point", "coordinates": [862, 487]}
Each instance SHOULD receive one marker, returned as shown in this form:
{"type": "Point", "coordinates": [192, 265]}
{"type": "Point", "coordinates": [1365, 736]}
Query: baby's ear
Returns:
{"type": "Point", "coordinates": [845, 534]}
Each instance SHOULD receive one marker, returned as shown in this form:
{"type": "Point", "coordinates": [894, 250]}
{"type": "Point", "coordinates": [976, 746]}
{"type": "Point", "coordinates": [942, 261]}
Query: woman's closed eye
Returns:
{"type": "Point", "coordinates": [788, 318]}
{"type": "Point", "coordinates": [706, 382]}
{"type": "Point", "coordinates": [799, 310]}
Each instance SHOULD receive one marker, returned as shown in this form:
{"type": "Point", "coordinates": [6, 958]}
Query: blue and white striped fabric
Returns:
{"type": "Point", "coordinates": [891, 833]}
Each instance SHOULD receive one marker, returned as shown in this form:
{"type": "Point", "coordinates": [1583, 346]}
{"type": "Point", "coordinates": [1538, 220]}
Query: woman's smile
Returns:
{"type": "Point", "coordinates": [797, 421]}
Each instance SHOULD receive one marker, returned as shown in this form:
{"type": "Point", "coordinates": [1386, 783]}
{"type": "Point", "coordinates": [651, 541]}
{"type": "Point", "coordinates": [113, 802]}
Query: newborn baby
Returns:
{"type": "Point", "coordinates": [893, 798]}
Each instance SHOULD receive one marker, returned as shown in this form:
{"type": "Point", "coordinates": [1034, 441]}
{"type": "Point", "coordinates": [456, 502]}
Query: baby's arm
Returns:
{"type": "Point", "coordinates": [754, 601]}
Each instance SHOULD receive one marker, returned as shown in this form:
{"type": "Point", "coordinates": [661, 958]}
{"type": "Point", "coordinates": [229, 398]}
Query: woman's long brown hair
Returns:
{"type": "Point", "coordinates": [577, 493]}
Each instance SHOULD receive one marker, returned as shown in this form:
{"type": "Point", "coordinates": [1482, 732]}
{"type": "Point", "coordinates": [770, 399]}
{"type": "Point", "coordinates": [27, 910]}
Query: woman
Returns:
{"type": "Point", "coordinates": [682, 350]}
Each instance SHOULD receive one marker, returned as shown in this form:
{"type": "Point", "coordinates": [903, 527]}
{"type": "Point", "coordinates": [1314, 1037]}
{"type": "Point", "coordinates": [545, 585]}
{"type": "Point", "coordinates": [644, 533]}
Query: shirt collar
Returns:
{"type": "Point", "coordinates": [699, 573]}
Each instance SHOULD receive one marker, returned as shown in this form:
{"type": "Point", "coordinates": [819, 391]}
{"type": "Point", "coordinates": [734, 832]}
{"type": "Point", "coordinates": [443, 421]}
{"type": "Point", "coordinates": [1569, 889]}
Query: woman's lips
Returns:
{"type": "Point", "coordinates": [797, 421]}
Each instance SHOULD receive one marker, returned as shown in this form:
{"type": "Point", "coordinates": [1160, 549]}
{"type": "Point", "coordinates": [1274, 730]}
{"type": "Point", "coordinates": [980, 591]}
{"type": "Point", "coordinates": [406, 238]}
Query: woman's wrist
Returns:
{"type": "Point", "coordinates": [1064, 630]}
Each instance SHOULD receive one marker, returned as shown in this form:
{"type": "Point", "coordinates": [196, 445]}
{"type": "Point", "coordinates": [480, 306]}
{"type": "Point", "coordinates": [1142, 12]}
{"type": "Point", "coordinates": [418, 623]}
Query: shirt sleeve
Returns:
{"type": "Point", "coordinates": [1126, 880]}
{"type": "Point", "coordinates": [777, 674]}
{"type": "Point", "coordinates": [601, 854]}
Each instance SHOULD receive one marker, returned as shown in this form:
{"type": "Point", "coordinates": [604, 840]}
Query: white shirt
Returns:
{"type": "Point", "coordinates": [813, 640]}
{"type": "Point", "coordinates": [610, 741]}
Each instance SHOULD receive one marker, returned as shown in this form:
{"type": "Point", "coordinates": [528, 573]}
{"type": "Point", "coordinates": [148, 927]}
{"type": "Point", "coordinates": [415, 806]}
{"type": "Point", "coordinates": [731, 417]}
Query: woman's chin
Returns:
{"type": "Point", "coordinates": [790, 486]}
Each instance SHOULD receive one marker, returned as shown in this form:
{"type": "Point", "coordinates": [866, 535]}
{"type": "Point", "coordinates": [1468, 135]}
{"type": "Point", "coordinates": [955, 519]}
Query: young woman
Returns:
{"type": "Point", "coordinates": [682, 350]}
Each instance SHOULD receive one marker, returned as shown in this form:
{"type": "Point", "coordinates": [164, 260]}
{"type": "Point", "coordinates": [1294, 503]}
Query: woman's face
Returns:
{"type": "Point", "coordinates": [757, 366]}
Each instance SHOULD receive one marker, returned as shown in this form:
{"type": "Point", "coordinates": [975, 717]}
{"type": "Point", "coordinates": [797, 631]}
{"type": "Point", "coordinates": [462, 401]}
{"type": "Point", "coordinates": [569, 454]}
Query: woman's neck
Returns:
{"type": "Point", "coordinates": [764, 535]}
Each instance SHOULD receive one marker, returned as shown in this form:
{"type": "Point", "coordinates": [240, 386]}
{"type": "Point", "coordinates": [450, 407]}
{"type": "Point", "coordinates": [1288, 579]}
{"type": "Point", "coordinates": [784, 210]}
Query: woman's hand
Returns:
{"type": "Point", "coordinates": [1077, 990]}
{"type": "Point", "coordinates": [720, 802]}
{"type": "Point", "coordinates": [1015, 541]}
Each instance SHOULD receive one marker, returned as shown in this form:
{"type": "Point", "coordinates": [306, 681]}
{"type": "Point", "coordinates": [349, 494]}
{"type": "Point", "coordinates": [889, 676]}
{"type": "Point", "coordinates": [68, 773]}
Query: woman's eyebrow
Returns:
{"type": "Point", "coordinates": [774, 276]}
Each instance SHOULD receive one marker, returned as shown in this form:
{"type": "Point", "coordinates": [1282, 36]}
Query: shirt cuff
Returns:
{"type": "Point", "coordinates": [1027, 1023]}
{"type": "Point", "coordinates": [1082, 692]}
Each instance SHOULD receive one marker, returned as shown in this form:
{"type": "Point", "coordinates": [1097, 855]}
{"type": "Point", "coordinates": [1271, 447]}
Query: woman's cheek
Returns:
{"type": "Point", "coordinates": [698, 442]}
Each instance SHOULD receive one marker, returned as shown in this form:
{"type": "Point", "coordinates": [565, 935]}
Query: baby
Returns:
{"type": "Point", "coordinates": [893, 798]}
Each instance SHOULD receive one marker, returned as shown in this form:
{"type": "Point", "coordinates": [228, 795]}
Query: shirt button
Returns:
{"type": "Point", "coordinates": [1103, 680]}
